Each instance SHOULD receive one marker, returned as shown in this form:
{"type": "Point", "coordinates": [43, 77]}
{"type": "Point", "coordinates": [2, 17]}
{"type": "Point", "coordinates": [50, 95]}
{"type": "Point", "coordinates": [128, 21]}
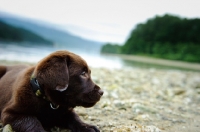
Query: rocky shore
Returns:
{"type": "Point", "coordinates": [145, 100]}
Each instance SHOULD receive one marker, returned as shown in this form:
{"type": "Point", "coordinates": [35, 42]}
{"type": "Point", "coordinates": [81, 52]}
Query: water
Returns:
{"type": "Point", "coordinates": [27, 52]}
{"type": "Point", "coordinates": [33, 53]}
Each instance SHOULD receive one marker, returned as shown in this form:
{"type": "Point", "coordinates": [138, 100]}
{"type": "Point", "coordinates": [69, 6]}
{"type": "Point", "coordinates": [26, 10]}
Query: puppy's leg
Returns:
{"type": "Point", "coordinates": [22, 123]}
{"type": "Point", "coordinates": [76, 125]}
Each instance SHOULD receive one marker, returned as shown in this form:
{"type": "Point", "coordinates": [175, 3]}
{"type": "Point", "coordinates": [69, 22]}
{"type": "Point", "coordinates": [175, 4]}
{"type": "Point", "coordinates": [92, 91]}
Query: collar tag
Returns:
{"type": "Point", "coordinates": [54, 107]}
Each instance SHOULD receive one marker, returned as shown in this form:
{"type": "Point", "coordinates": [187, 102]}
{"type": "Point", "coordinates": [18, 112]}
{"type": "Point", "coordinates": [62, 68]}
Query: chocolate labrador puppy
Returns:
{"type": "Point", "coordinates": [36, 98]}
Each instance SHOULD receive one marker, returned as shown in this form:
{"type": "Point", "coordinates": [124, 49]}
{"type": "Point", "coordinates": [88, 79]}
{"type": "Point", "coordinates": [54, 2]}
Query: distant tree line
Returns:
{"type": "Point", "coordinates": [10, 33]}
{"type": "Point", "coordinates": [167, 36]}
{"type": "Point", "coordinates": [111, 48]}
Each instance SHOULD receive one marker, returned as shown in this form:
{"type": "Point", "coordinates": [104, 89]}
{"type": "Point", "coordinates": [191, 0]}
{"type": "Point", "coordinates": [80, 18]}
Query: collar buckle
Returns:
{"type": "Point", "coordinates": [36, 87]}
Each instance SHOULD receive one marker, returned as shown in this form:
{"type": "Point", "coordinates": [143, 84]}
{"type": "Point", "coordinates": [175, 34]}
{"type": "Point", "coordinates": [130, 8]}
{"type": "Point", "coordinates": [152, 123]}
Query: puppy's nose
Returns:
{"type": "Point", "coordinates": [100, 92]}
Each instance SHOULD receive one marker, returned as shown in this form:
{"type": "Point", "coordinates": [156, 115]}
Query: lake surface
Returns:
{"type": "Point", "coordinates": [34, 53]}
{"type": "Point", "coordinates": [27, 52]}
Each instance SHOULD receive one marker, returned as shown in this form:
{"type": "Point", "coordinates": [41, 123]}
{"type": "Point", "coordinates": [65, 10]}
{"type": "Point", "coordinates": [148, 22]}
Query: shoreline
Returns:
{"type": "Point", "coordinates": [10, 62]}
{"type": "Point", "coordinates": [156, 61]}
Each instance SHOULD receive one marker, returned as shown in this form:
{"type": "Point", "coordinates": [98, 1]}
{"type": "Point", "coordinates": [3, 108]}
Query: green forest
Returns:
{"type": "Point", "coordinates": [10, 33]}
{"type": "Point", "coordinates": [168, 37]}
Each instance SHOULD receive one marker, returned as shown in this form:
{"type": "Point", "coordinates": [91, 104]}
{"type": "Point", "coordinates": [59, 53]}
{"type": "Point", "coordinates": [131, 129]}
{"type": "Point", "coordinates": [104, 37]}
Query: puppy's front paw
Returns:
{"type": "Point", "coordinates": [90, 128]}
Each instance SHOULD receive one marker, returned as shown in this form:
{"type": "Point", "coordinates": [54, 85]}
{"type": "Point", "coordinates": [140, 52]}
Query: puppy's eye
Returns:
{"type": "Point", "coordinates": [83, 73]}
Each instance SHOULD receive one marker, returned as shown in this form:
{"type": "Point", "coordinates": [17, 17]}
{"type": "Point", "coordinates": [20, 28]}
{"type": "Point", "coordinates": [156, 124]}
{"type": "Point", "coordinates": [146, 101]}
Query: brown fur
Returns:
{"type": "Point", "coordinates": [20, 107]}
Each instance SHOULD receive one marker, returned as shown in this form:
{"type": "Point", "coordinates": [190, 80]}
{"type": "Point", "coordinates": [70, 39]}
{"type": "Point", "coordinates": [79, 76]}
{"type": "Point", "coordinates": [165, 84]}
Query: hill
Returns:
{"type": "Point", "coordinates": [48, 31]}
{"type": "Point", "coordinates": [10, 33]}
{"type": "Point", "coordinates": [168, 37]}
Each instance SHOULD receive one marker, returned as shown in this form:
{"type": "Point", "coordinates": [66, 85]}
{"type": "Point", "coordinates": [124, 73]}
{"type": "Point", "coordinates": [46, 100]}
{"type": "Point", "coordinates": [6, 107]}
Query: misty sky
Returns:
{"type": "Point", "coordinates": [100, 20]}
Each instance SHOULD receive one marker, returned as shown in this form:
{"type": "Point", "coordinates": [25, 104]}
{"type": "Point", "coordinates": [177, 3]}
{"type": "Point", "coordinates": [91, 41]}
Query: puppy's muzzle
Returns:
{"type": "Point", "coordinates": [98, 90]}
{"type": "Point", "coordinates": [96, 94]}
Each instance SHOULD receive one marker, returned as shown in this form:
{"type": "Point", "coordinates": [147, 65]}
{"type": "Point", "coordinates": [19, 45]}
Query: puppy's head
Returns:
{"type": "Point", "coordinates": [66, 80]}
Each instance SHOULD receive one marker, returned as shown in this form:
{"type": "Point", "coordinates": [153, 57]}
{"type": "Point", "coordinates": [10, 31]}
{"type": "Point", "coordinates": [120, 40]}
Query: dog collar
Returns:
{"type": "Point", "coordinates": [36, 87]}
{"type": "Point", "coordinates": [39, 92]}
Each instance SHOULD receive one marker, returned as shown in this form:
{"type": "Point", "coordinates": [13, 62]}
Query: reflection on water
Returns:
{"type": "Point", "coordinates": [34, 53]}
{"type": "Point", "coordinates": [130, 63]}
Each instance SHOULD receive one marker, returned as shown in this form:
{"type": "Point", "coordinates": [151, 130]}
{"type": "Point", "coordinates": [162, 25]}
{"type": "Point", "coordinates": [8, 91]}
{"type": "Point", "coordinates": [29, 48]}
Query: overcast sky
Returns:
{"type": "Point", "coordinates": [101, 20]}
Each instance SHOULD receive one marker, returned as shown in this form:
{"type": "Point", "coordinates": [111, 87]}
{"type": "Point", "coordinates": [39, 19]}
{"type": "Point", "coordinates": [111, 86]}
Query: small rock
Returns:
{"type": "Point", "coordinates": [7, 128]}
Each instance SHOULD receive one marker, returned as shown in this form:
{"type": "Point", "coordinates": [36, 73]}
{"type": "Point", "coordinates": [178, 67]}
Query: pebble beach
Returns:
{"type": "Point", "coordinates": [144, 100]}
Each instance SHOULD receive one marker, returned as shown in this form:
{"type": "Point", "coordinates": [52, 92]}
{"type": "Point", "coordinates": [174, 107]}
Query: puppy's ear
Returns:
{"type": "Point", "coordinates": [54, 74]}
